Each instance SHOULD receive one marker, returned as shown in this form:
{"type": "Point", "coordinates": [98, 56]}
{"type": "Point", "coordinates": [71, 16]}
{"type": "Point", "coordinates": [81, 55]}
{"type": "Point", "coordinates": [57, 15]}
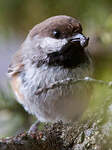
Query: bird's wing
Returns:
{"type": "Point", "coordinates": [16, 66]}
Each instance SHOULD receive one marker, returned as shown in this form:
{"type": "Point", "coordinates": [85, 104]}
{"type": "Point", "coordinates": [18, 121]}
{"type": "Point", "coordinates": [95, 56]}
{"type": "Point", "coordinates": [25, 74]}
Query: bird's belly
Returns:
{"type": "Point", "coordinates": [64, 103]}
{"type": "Point", "coordinates": [60, 103]}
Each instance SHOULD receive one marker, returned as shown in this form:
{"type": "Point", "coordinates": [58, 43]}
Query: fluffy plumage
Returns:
{"type": "Point", "coordinates": [52, 52]}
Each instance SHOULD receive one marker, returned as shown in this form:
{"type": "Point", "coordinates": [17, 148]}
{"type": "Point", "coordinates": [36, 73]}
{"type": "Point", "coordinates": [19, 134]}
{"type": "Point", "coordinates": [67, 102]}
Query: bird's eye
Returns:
{"type": "Point", "coordinates": [56, 34]}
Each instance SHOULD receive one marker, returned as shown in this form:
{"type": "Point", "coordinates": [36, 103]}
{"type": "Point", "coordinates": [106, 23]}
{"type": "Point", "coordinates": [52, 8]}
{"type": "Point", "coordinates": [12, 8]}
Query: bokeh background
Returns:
{"type": "Point", "coordinates": [17, 17]}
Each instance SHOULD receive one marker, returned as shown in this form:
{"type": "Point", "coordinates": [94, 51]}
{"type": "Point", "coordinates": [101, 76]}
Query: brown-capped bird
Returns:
{"type": "Point", "coordinates": [54, 51]}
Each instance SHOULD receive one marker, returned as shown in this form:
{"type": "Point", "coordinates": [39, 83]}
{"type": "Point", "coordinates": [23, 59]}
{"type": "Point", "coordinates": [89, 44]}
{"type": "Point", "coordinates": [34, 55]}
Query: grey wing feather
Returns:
{"type": "Point", "coordinates": [16, 65]}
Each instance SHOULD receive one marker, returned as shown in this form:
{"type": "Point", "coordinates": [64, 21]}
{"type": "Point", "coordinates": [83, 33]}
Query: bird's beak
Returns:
{"type": "Point", "coordinates": [79, 38]}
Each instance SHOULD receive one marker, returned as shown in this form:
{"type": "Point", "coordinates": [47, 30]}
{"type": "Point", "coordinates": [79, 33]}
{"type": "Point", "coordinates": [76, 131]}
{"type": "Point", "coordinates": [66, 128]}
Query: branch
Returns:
{"type": "Point", "coordinates": [58, 136]}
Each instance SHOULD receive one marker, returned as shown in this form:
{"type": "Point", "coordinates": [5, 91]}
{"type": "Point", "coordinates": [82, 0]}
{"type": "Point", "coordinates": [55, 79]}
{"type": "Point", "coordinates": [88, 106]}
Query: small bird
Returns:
{"type": "Point", "coordinates": [52, 53]}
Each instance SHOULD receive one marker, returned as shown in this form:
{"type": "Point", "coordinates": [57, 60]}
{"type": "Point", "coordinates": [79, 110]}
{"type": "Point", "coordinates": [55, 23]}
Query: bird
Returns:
{"type": "Point", "coordinates": [53, 53]}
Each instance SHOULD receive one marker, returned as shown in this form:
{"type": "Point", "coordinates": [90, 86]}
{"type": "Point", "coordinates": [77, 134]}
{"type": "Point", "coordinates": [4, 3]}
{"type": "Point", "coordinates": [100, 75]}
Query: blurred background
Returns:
{"type": "Point", "coordinates": [17, 17]}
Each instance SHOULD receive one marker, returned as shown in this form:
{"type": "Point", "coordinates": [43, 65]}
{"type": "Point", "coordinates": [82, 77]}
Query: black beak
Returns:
{"type": "Point", "coordinates": [79, 38]}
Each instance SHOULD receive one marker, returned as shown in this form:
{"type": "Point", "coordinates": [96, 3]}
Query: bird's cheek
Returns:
{"type": "Point", "coordinates": [50, 45]}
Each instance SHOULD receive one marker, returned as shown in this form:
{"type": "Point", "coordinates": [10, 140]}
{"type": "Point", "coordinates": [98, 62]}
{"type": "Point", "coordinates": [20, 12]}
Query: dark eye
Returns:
{"type": "Point", "coordinates": [56, 34]}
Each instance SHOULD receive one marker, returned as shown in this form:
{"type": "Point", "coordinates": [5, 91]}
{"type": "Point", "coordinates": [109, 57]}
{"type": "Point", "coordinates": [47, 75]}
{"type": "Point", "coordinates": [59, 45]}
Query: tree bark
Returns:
{"type": "Point", "coordinates": [60, 136]}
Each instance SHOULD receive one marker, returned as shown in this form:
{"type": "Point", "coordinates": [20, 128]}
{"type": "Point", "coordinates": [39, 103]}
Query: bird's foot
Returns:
{"type": "Point", "coordinates": [34, 127]}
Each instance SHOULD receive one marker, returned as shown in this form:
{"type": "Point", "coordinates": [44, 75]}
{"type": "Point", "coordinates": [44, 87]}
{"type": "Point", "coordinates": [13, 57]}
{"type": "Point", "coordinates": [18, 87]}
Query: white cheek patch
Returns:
{"type": "Point", "coordinates": [52, 45]}
{"type": "Point", "coordinates": [49, 44]}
